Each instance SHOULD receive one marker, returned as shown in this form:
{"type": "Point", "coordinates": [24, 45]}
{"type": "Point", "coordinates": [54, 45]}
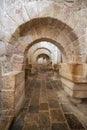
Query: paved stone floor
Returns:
{"type": "Point", "coordinates": [47, 107]}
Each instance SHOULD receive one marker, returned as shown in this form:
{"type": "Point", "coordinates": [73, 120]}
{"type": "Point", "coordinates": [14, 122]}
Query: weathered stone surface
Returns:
{"type": "Point", "coordinates": [2, 48]}
{"type": "Point", "coordinates": [7, 98]}
{"type": "Point", "coordinates": [0, 73]}
{"type": "Point", "coordinates": [79, 93]}
{"type": "Point", "coordinates": [9, 81]}
{"type": "Point", "coordinates": [65, 15]}
{"type": "Point", "coordinates": [32, 118]}
{"type": "Point", "coordinates": [19, 91]}
{"type": "Point", "coordinates": [23, 24]}
{"type": "Point", "coordinates": [57, 116]}
{"type": "Point", "coordinates": [44, 119]}
{"type": "Point", "coordinates": [34, 109]}
{"type": "Point", "coordinates": [7, 113]}
{"type": "Point", "coordinates": [5, 123]}
{"type": "Point", "coordinates": [53, 104]}
{"type": "Point", "coordinates": [17, 58]}
{"type": "Point", "coordinates": [59, 126]}
{"type": "Point", "coordinates": [19, 79]}
{"type": "Point", "coordinates": [75, 72]}
{"type": "Point", "coordinates": [19, 103]}
{"type": "Point", "coordinates": [18, 125]}
{"type": "Point", "coordinates": [12, 92]}
{"type": "Point", "coordinates": [10, 50]}
{"type": "Point", "coordinates": [66, 108]}
{"type": "Point", "coordinates": [31, 127]}
{"type": "Point", "coordinates": [73, 122]}
{"type": "Point", "coordinates": [74, 79]}
{"type": "Point", "coordinates": [51, 119]}
{"type": "Point", "coordinates": [43, 107]}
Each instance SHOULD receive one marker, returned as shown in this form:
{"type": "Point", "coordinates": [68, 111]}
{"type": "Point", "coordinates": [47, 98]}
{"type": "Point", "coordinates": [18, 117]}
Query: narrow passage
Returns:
{"type": "Point", "coordinates": [44, 108]}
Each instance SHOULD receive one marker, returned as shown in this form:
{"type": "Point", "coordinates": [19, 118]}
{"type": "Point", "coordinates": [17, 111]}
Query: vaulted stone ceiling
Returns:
{"type": "Point", "coordinates": [23, 22]}
{"type": "Point", "coordinates": [72, 3]}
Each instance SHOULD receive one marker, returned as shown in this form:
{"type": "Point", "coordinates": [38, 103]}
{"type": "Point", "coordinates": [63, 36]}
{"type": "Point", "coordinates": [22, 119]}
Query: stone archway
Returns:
{"type": "Point", "coordinates": [44, 28]}
{"type": "Point", "coordinates": [53, 50]}
{"type": "Point", "coordinates": [47, 29]}
{"type": "Point", "coordinates": [42, 48]}
{"type": "Point", "coordinates": [42, 51]}
{"type": "Point", "coordinates": [42, 59]}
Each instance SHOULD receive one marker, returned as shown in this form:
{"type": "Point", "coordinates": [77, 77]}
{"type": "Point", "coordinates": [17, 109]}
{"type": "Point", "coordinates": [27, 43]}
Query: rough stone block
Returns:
{"type": "Point", "coordinates": [19, 78]}
{"type": "Point", "coordinates": [76, 72]}
{"type": "Point", "coordinates": [7, 98]}
{"type": "Point", "coordinates": [1, 83]}
{"type": "Point", "coordinates": [7, 112]}
{"type": "Point", "coordinates": [10, 50]}
{"type": "Point", "coordinates": [12, 94]}
{"type": "Point", "coordinates": [76, 90]}
{"type": "Point", "coordinates": [0, 69]}
{"type": "Point", "coordinates": [16, 13]}
{"type": "Point", "coordinates": [6, 67]}
{"type": "Point", "coordinates": [19, 104]}
{"type": "Point", "coordinates": [74, 79]}
{"type": "Point", "coordinates": [9, 81]}
{"type": "Point", "coordinates": [2, 48]}
{"type": "Point", "coordinates": [19, 91]}
{"type": "Point", "coordinates": [17, 66]}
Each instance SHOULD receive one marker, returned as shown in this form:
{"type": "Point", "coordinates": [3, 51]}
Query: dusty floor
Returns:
{"type": "Point", "coordinates": [47, 107]}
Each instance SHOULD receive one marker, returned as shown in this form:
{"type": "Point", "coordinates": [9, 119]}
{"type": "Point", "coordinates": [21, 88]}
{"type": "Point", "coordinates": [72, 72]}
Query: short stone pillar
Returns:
{"type": "Point", "coordinates": [12, 93]}
{"type": "Point", "coordinates": [74, 79]}
{"type": "Point", "coordinates": [55, 72]}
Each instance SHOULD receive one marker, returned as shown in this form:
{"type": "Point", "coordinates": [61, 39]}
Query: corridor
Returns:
{"type": "Point", "coordinates": [46, 107]}
{"type": "Point", "coordinates": [43, 64]}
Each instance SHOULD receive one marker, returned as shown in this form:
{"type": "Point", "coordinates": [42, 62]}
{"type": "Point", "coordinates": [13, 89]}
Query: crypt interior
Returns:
{"type": "Point", "coordinates": [43, 64]}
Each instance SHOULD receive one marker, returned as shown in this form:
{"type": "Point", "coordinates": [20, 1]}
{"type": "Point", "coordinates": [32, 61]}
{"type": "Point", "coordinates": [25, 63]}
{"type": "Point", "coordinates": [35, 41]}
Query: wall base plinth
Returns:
{"type": "Point", "coordinates": [74, 81]}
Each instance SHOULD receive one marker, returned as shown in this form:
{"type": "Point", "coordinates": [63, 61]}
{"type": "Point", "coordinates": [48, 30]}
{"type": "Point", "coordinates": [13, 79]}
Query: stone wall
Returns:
{"type": "Point", "coordinates": [76, 72]}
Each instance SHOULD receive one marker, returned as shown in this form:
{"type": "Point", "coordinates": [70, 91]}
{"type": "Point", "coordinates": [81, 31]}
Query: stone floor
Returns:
{"type": "Point", "coordinates": [47, 107]}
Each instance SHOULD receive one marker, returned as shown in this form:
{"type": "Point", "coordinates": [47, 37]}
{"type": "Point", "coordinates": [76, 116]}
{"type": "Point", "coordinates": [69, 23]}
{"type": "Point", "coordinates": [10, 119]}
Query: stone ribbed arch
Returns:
{"type": "Point", "coordinates": [41, 24]}
{"type": "Point", "coordinates": [43, 55]}
{"type": "Point", "coordinates": [23, 45]}
{"type": "Point", "coordinates": [40, 45]}
{"type": "Point", "coordinates": [23, 11]}
{"type": "Point", "coordinates": [47, 28]}
{"type": "Point", "coordinates": [31, 53]}
{"type": "Point", "coordinates": [39, 52]}
{"type": "Point", "coordinates": [57, 25]}
{"type": "Point", "coordinates": [43, 45]}
{"type": "Point", "coordinates": [40, 48]}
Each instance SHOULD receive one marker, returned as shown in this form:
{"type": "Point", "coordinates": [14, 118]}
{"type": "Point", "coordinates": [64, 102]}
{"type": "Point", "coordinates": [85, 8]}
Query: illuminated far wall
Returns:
{"type": "Point", "coordinates": [42, 61]}
{"type": "Point", "coordinates": [55, 55]}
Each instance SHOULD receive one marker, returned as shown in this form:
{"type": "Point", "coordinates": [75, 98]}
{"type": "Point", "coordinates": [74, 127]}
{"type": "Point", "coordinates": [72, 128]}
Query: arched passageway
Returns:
{"type": "Point", "coordinates": [47, 29]}
{"type": "Point", "coordinates": [25, 26]}
{"type": "Point", "coordinates": [46, 46]}
{"type": "Point", "coordinates": [37, 30]}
